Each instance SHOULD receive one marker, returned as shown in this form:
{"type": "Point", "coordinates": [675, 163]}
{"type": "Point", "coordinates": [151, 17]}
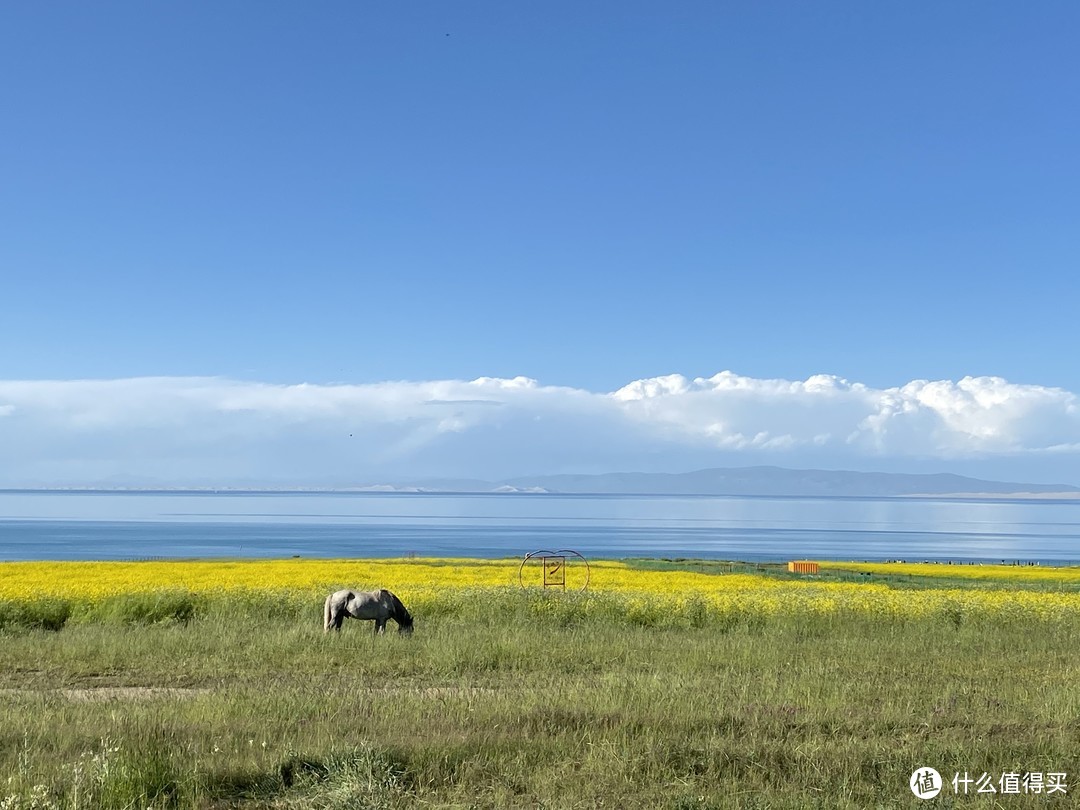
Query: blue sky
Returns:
{"type": "Point", "coordinates": [586, 195]}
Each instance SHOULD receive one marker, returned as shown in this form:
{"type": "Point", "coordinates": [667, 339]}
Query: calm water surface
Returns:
{"type": "Point", "coordinates": [117, 526]}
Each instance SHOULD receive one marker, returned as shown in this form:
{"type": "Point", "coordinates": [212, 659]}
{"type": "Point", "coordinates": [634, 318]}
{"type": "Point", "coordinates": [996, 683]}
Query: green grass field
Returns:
{"type": "Point", "coordinates": [507, 700]}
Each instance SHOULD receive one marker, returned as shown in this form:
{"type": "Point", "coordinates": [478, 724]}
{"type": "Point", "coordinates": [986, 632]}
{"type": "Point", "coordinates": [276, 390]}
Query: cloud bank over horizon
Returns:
{"type": "Point", "coordinates": [208, 431]}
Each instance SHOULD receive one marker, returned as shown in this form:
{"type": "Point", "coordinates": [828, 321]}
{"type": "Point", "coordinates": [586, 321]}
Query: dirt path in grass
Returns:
{"type": "Point", "coordinates": [102, 694]}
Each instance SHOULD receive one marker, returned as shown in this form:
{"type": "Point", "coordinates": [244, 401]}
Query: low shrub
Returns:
{"type": "Point", "coordinates": [141, 608]}
{"type": "Point", "coordinates": [43, 613]}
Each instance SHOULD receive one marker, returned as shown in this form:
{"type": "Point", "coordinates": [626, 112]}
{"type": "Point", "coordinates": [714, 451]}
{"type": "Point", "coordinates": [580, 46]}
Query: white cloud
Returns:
{"type": "Point", "coordinates": [977, 415]}
{"type": "Point", "coordinates": [219, 431]}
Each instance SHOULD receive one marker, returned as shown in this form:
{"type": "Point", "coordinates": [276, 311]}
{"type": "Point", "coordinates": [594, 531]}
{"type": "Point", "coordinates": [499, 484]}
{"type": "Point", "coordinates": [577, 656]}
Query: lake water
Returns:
{"type": "Point", "coordinates": [119, 526]}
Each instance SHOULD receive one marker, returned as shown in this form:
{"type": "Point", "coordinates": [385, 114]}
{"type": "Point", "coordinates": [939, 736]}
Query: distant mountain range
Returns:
{"type": "Point", "coordinates": [776, 481]}
{"type": "Point", "coordinates": [760, 481]}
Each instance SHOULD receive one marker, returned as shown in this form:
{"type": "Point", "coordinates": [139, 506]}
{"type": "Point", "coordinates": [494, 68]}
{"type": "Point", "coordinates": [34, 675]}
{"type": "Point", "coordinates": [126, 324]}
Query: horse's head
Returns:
{"type": "Point", "coordinates": [400, 615]}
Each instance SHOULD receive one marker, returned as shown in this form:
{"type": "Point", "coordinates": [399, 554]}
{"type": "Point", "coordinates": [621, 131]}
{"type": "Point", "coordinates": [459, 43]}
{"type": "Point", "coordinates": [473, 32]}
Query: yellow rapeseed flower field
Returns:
{"type": "Point", "coordinates": [1007, 573]}
{"type": "Point", "coordinates": [93, 580]}
{"type": "Point", "coordinates": [423, 579]}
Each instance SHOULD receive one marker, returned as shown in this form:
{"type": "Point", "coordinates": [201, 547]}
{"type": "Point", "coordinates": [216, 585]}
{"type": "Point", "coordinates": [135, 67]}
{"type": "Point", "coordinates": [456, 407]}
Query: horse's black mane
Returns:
{"type": "Point", "coordinates": [401, 615]}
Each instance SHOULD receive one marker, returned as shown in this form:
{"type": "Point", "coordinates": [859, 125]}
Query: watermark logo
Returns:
{"type": "Point", "coordinates": [925, 783]}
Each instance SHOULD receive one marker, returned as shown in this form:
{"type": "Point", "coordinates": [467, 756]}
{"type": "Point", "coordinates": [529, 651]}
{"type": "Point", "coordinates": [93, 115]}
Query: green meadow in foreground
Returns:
{"type": "Point", "coordinates": [503, 699]}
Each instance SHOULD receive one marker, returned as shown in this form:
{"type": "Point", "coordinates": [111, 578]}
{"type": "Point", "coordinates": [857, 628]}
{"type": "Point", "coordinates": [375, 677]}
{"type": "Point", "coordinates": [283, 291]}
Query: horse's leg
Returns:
{"type": "Point", "coordinates": [380, 625]}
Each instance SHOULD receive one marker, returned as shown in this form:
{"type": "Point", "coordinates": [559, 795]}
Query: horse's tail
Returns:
{"type": "Point", "coordinates": [326, 614]}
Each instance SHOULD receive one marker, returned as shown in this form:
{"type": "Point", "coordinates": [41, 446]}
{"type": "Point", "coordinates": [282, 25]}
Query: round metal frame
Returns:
{"type": "Point", "coordinates": [569, 552]}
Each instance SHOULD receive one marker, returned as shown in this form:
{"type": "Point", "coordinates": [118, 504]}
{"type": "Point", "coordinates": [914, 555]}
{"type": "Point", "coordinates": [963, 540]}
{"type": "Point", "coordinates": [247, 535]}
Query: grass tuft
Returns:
{"type": "Point", "coordinates": [42, 613]}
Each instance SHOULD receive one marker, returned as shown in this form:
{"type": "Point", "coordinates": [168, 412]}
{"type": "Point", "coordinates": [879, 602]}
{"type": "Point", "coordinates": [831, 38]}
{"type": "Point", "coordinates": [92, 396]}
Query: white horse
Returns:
{"type": "Point", "coordinates": [377, 605]}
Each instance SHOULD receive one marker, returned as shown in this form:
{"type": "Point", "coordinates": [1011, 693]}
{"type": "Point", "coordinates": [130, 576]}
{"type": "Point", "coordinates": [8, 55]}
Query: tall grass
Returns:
{"type": "Point", "coordinates": [511, 699]}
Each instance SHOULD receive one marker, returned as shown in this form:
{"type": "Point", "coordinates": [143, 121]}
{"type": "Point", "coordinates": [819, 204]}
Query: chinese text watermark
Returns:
{"type": "Point", "coordinates": [926, 783]}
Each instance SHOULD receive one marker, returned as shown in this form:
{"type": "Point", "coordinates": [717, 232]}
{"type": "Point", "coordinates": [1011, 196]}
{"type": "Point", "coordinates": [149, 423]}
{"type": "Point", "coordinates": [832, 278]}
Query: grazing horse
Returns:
{"type": "Point", "coordinates": [378, 605]}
